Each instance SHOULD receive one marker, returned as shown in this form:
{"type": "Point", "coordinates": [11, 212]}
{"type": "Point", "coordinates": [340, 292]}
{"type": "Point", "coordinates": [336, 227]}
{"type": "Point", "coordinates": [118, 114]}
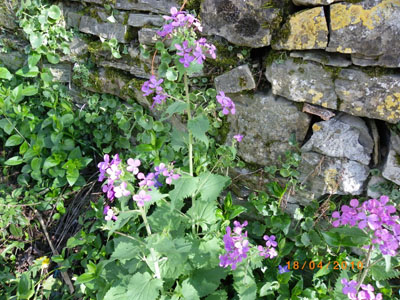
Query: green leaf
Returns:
{"type": "Point", "coordinates": [36, 39]}
{"type": "Point", "coordinates": [14, 140]}
{"type": "Point", "coordinates": [54, 12]}
{"type": "Point", "coordinates": [125, 248]}
{"type": "Point", "coordinates": [53, 58]}
{"type": "Point", "coordinates": [30, 90]}
{"type": "Point", "coordinates": [206, 281]}
{"type": "Point", "coordinates": [36, 163]}
{"type": "Point", "coordinates": [203, 213]}
{"type": "Point", "coordinates": [75, 154]}
{"type": "Point", "coordinates": [199, 126]}
{"type": "Point", "coordinates": [72, 176]}
{"type": "Point", "coordinates": [67, 119]}
{"type": "Point", "coordinates": [85, 277]}
{"type": "Point", "coordinates": [211, 185]}
{"type": "Point", "coordinates": [7, 126]}
{"type": "Point", "coordinates": [117, 292]}
{"type": "Point", "coordinates": [5, 74]}
{"type": "Point", "coordinates": [33, 59]}
{"type": "Point", "coordinates": [245, 285]}
{"type": "Point", "coordinates": [14, 161]}
{"type": "Point", "coordinates": [176, 107]}
{"type": "Point", "coordinates": [171, 74]}
{"type": "Point", "coordinates": [269, 288]}
{"type": "Point", "coordinates": [185, 187]}
{"type": "Point", "coordinates": [332, 238]}
{"type": "Point", "coordinates": [28, 72]}
{"type": "Point", "coordinates": [323, 271]}
{"type": "Point", "coordinates": [284, 172]}
{"type": "Point", "coordinates": [189, 292]}
{"type": "Point", "coordinates": [50, 162]}
{"type": "Point", "coordinates": [282, 222]}
{"type": "Point", "coordinates": [144, 287]}
{"type": "Point", "coordinates": [25, 287]}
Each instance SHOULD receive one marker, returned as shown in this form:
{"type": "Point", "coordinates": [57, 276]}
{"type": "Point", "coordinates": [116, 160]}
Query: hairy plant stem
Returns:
{"type": "Point", "coordinates": [189, 116]}
{"type": "Point", "coordinates": [366, 269]}
{"type": "Point", "coordinates": [152, 252]}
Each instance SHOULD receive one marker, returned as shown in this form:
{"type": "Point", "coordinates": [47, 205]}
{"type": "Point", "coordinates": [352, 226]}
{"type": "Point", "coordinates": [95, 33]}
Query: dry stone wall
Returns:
{"type": "Point", "coordinates": [327, 71]}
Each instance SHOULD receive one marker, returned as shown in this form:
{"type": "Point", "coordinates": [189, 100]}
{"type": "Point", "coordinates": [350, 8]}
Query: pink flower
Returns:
{"type": "Point", "coordinates": [238, 137]}
{"type": "Point", "coordinates": [133, 165]}
{"type": "Point", "coordinates": [141, 198]}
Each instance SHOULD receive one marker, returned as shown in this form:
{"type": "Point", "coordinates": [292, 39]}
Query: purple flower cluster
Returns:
{"type": "Point", "coordinates": [366, 293]}
{"type": "Point", "coordinates": [109, 214]}
{"type": "Point", "coordinates": [375, 216]}
{"type": "Point", "coordinates": [236, 245]}
{"type": "Point", "coordinates": [194, 53]}
{"type": "Point", "coordinates": [227, 104]}
{"type": "Point", "coordinates": [179, 19]}
{"type": "Point", "coordinates": [113, 172]}
{"type": "Point", "coordinates": [154, 86]}
{"type": "Point", "coordinates": [268, 251]}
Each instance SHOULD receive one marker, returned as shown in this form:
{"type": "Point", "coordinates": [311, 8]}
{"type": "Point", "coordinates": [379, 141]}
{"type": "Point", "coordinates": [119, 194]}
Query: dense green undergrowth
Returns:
{"type": "Point", "coordinates": [163, 234]}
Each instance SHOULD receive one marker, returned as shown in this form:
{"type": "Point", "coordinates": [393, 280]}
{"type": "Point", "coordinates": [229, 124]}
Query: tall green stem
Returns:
{"type": "Point", "coordinates": [367, 266]}
{"type": "Point", "coordinates": [152, 252]}
{"type": "Point", "coordinates": [189, 116]}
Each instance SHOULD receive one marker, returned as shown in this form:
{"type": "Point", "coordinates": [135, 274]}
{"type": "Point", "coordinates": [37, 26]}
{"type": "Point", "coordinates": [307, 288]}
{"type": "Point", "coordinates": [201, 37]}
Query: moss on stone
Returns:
{"type": "Point", "coordinates": [275, 56]}
{"type": "Point", "coordinates": [191, 5]}
{"type": "Point", "coordinates": [377, 71]}
{"type": "Point", "coordinates": [397, 157]}
{"type": "Point", "coordinates": [335, 71]}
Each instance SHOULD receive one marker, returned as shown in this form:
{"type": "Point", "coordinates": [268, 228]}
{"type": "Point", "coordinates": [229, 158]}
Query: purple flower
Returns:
{"type": "Point", "coordinates": [238, 137]}
{"type": "Point", "coordinates": [141, 198]}
{"type": "Point", "coordinates": [158, 99]}
{"type": "Point", "coordinates": [226, 103]}
{"type": "Point", "coordinates": [283, 269]}
{"type": "Point", "coordinates": [270, 241]}
{"type": "Point", "coordinates": [146, 180]}
{"type": "Point", "coordinates": [198, 55]}
{"type": "Point", "coordinates": [160, 169]}
{"type": "Point", "coordinates": [109, 214]}
{"type": "Point", "coordinates": [121, 190]}
{"type": "Point", "coordinates": [236, 246]}
{"type": "Point", "coordinates": [103, 166]}
{"type": "Point", "coordinates": [133, 165]}
{"type": "Point", "coordinates": [366, 293]}
{"type": "Point", "coordinates": [186, 60]}
{"type": "Point", "coordinates": [109, 189]}
{"type": "Point", "coordinates": [113, 172]}
{"type": "Point", "coordinates": [349, 287]}
{"type": "Point", "coordinates": [267, 252]}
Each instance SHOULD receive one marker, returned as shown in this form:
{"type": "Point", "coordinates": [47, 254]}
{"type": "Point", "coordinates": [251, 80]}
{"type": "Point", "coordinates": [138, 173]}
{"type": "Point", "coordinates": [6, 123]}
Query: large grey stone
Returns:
{"type": "Point", "coordinates": [140, 20]}
{"type": "Point", "coordinates": [105, 30]}
{"type": "Point", "coordinates": [302, 82]}
{"type": "Point", "coordinates": [241, 22]}
{"type": "Point", "coordinates": [374, 182]}
{"type": "Point", "coordinates": [322, 57]}
{"type": "Point", "coordinates": [157, 6]}
{"type": "Point", "coordinates": [369, 29]}
{"type": "Point", "coordinates": [13, 60]}
{"type": "Point", "coordinates": [391, 169]}
{"type": "Point", "coordinates": [326, 175]}
{"type": "Point", "coordinates": [376, 97]}
{"type": "Point", "coordinates": [314, 2]}
{"type": "Point", "coordinates": [266, 122]}
{"type": "Point", "coordinates": [148, 36]}
{"type": "Point", "coordinates": [236, 80]}
{"type": "Point", "coordinates": [306, 29]}
{"type": "Point", "coordinates": [344, 136]}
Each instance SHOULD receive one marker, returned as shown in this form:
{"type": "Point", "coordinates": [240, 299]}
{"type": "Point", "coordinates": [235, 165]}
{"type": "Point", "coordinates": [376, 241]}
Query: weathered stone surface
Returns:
{"type": "Point", "coordinates": [327, 175]}
{"type": "Point", "coordinates": [323, 113]}
{"type": "Point", "coordinates": [344, 136]}
{"type": "Point", "coordinates": [314, 2]}
{"type": "Point", "coordinates": [391, 169]}
{"type": "Point", "coordinates": [302, 82]}
{"type": "Point", "coordinates": [375, 97]}
{"type": "Point", "coordinates": [73, 19]}
{"type": "Point", "coordinates": [322, 57]}
{"type": "Point", "coordinates": [148, 36]}
{"type": "Point", "coordinates": [279, 118]}
{"type": "Point", "coordinates": [78, 47]}
{"type": "Point", "coordinates": [12, 60]}
{"type": "Point", "coordinates": [105, 30]}
{"type": "Point", "coordinates": [7, 14]}
{"type": "Point", "coordinates": [306, 29]}
{"type": "Point", "coordinates": [236, 80]}
{"type": "Point", "coordinates": [369, 29]}
{"type": "Point", "coordinates": [60, 72]}
{"type": "Point", "coordinates": [157, 6]}
{"type": "Point", "coordinates": [244, 23]}
{"type": "Point", "coordinates": [140, 20]}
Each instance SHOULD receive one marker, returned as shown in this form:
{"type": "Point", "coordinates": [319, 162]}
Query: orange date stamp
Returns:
{"type": "Point", "coordinates": [312, 265]}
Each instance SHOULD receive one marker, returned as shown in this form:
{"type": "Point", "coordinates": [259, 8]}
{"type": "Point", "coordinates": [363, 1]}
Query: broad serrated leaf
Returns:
{"type": "Point", "coordinates": [176, 107]}
{"type": "Point", "coordinates": [245, 285]}
{"type": "Point", "coordinates": [199, 126]}
{"type": "Point", "coordinates": [338, 294]}
{"type": "Point", "coordinates": [117, 292]}
{"type": "Point", "coordinates": [164, 218]}
{"type": "Point", "coordinates": [379, 273]}
{"type": "Point", "coordinates": [211, 185]}
{"type": "Point", "coordinates": [188, 291]}
{"type": "Point", "coordinates": [144, 287]}
{"type": "Point", "coordinates": [206, 281]}
{"type": "Point", "coordinates": [203, 213]}
{"type": "Point", "coordinates": [14, 140]}
{"type": "Point", "coordinates": [125, 248]}
{"type": "Point", "coordinates": [123, 218]}
{"type": "Point", "coordinates": [5, 74]}
{"type": "Point", "coordinates": [185, 187]}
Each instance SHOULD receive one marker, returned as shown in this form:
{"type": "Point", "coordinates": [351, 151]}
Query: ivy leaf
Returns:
{"type": "Point", "coordinates": [14, 161]}
{"type": "Point", "coordinates": [28, 72]}
{"type": "Point", "coordinates": [211, 185]}
{"type": "Point", "coordinates": [54, 12]}
{"type": "Point", "coordinates": [171, 74]}
{"type": "Point", "coordinates": [199, 126]}
{"type": "Point", "coordinates": [144, 287]}
{"type": "Point", "coordinates": [53, 58]}
{"type": "Point", "coordinates": [184, 187]}
{"type": "Point", "coordinates": [14, 140]}
{"type": "Point", "coordinates": [33, 59]}
{"type": "Point", "coordinates": [5, 74]}
{"type": "Point", "coordinates": [36, 40]}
